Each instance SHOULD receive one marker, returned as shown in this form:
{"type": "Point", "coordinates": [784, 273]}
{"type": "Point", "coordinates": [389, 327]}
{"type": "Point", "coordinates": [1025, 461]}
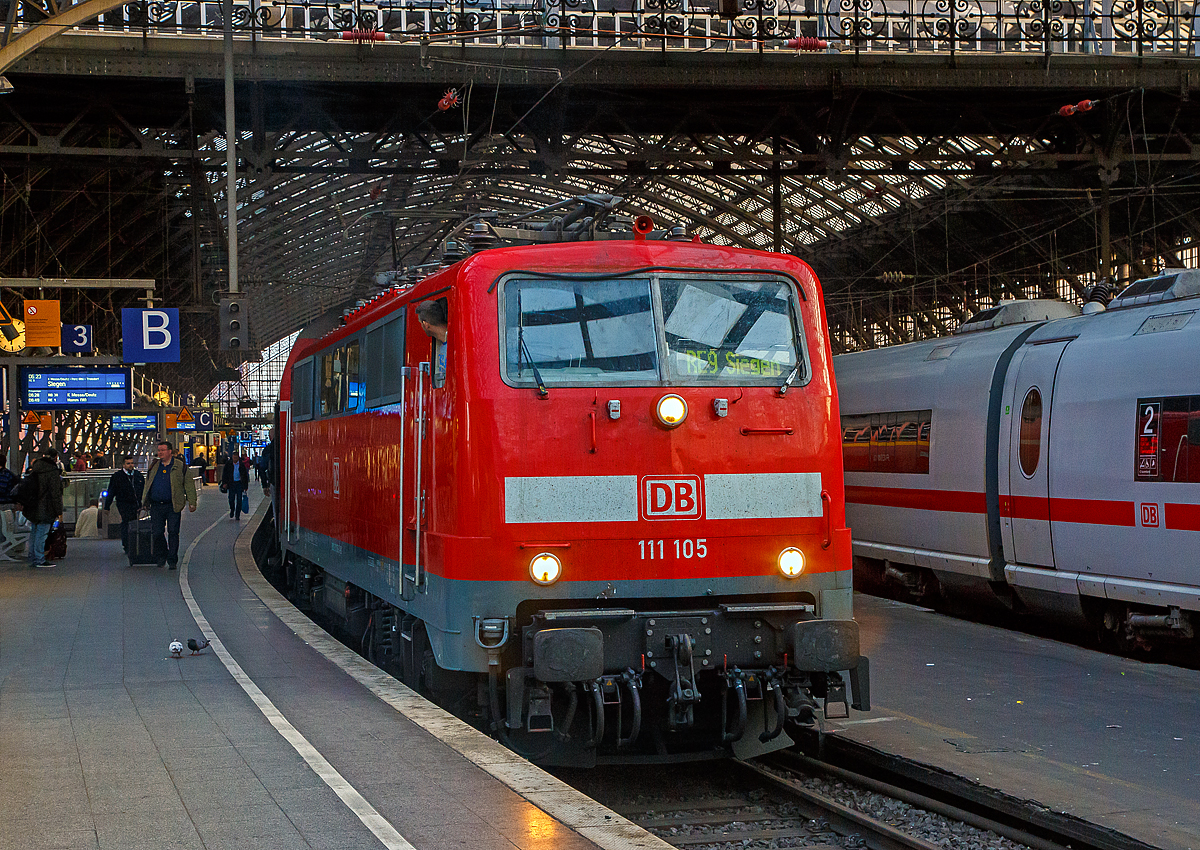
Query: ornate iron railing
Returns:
{"type": "Point", "coordinates": [1095, 27]}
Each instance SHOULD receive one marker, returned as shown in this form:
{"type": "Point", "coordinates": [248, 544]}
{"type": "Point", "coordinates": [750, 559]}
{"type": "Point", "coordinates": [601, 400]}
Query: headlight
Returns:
{"type": "Point", "coordinates": [545, 568]}
{"type": "Point", "coordinates": [791, 562]}
{"type": "Point", "coordinates": [671, 410]}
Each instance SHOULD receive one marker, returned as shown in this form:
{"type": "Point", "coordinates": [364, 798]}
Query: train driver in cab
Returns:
{"type": "Point", "coordinates": [435, 322]}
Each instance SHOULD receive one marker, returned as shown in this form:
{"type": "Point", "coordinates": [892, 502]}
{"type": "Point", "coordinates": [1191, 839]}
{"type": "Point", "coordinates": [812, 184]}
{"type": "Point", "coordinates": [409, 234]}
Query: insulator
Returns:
{"type": "Point", "coordinates": [679, 233]}
{"type": "Point", "coordinates": [805, 42]}
{"type": "Point", "coordinates": [452, 252]}
{"type": "Point", "coordinates": [449, 100]}
{"type": "Point", "coordinates": [894, 277]}
{"type": "Point", "coordinates": [1085, 105]}
{"type": "Point", "coordinates": [1067, 111]}
{"type": "Point", "coordinates": [363, 35]}
{"type": "Point", "coordinates": [480, 237]}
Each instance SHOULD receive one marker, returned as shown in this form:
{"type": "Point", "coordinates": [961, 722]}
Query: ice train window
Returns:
{"type": "Point", "coordinates": [1030, 448]}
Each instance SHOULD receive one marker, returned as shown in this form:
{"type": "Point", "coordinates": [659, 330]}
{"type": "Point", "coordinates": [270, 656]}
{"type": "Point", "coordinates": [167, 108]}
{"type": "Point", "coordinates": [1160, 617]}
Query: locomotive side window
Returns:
{"type": "Point", "coordinates": [353, 388]}
{"type": "Point", "coordinates": [729, 331]}
{"type": "Point", "coordinates": [339, 388]}
{"type": "Point", "coordinates": [302, 381]}
{"type": "Point", "coordinates": [579, 332]}
{"type": "Point", "coordinates": [383, 358]}
{"type": "Point", "coordinates": [891, 441]}
{"type": "Point", "coordinates": [1030, 449]}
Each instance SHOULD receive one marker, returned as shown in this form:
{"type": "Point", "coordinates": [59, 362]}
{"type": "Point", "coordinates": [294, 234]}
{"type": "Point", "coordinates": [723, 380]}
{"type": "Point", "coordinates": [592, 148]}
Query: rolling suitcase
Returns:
{"type": "Point", "coordinates": [141, 543]}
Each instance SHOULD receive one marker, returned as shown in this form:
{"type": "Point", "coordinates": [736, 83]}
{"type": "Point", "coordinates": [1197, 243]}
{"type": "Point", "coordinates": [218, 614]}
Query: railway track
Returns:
{"type": "Point", "coordinates": [790, 801]}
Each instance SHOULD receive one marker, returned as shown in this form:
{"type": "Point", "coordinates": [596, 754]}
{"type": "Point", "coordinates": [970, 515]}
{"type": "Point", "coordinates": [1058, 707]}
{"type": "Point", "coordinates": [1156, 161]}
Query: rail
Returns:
{"type": "Point", "coordinates": [1134, 28]}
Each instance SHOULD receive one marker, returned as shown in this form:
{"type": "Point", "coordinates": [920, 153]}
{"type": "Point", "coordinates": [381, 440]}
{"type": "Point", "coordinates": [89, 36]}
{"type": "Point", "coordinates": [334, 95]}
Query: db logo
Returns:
{"type": "Point", "coordinates": [677, 497]}
{"type": "Point", "coordinates": [1149, 515]}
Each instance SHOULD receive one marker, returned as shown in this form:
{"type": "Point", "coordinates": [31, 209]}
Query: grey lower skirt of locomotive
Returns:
{"type": "Point", "coordinates": [582, 687]}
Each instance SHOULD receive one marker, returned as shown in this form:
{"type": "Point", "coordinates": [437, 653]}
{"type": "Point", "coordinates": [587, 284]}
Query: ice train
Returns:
{"type": "Point", "coordinates": [1042, 456]}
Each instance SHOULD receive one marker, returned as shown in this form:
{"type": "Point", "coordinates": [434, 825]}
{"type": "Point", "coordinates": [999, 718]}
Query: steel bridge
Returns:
{"type": "Point", "coordinates": [925, 157]}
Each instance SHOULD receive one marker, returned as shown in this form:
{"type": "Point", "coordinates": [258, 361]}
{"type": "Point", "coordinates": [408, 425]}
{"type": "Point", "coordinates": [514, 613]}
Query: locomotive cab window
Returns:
{"type": "Point", "coordinates": [729, 331]}
{"type": "Point", "coordinates": [579, 332]}
{"type": "Point", "coordinates": [733, 330]}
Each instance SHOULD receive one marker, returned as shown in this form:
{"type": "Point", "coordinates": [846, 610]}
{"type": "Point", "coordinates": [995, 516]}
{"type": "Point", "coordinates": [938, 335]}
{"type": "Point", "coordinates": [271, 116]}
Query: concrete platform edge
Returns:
{"type": "Point", "coordinates": [604, 827]}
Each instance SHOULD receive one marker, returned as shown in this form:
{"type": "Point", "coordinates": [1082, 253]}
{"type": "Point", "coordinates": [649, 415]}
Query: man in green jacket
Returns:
{"type": "Point", "coordinates": [168, 488]}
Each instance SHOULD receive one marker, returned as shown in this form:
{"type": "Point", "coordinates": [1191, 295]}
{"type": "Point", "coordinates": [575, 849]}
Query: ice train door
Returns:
{"type": "Point", "coordinates": [1025, 510]}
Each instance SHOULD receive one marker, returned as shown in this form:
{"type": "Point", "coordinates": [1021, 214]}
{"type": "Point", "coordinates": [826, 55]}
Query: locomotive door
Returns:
{"type": "Point", "coordinates": [1025, 510]}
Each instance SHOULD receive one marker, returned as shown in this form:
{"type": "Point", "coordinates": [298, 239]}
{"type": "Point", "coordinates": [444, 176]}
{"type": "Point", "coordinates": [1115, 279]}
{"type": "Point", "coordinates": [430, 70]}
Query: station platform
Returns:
{"type": "Point", "coordinates": [1111, 740]}
{"type": "Point", "coordinates": [273, 737]}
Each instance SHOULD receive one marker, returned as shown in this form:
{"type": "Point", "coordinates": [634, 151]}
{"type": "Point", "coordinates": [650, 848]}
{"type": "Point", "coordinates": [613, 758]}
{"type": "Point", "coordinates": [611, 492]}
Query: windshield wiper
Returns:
{"type": "Point", "coordinates": [787, 382]}
{"type": "Point", "coordinates": [537, 376]}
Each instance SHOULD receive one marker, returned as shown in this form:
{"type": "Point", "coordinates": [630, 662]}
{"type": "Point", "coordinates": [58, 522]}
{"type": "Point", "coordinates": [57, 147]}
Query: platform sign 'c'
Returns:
{"type": "Point", "coordinates": [204, 420]}
{"type": "Point", "coordinates": [150, 336]}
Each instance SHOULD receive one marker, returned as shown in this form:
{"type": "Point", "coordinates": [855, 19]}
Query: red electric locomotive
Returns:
{"type": "Point", "coordinates": [605, 516]}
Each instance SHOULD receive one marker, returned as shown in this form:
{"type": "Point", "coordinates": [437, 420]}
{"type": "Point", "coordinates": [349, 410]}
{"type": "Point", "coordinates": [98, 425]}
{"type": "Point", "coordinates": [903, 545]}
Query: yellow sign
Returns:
{"type": "Point", "coordinates": [43, 421]}
{"type": "Point", "coordinates": [43, 324]}
{"type": "Point", "coordinates": [184, 415]}
{"type": "Point", "coordinates": [171, 421]}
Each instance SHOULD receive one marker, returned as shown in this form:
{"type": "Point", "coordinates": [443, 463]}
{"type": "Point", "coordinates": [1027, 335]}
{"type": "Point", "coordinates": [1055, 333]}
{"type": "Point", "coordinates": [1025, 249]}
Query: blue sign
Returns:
{"type": "Point", "coordinates": [79, 388]}
{"type": "Point", "coordinates": [204, 420]}
{"type": "Point", "coordinates": [77, 339]}
{"type": "Point", "coordinates": [150, 336]}
{"type": "Point", "coordinates": [135, 422]}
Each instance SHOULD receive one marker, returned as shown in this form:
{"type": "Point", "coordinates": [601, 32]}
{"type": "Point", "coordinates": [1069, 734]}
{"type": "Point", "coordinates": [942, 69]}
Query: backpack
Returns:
{"type": "Point", "coordinates": [25, 493]}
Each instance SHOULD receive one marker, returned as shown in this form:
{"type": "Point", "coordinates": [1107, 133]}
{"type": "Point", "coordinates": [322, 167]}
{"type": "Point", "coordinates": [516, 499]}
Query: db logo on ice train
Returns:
{"type": "Point", "coordinates": [671, 497]}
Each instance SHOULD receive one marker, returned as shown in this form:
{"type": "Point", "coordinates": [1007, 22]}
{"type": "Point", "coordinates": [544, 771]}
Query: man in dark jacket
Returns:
{"type": "Point", "coordinates": [169, 486]}
{"type": "Point", "coordinates": [41, 498]}
{"type": "Point", "coordinates": [125, 488]}
{"type": "Point", "coordinates": [235, 478]}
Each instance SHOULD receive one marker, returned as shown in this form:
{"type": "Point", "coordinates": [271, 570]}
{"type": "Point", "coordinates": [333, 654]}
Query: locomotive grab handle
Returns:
{"type": "Point", "coordinates": [592, 417]}
{"type": "Point", "coordinates": [827, 515]}
{"type": "Point", "coordinates": [750, 432]}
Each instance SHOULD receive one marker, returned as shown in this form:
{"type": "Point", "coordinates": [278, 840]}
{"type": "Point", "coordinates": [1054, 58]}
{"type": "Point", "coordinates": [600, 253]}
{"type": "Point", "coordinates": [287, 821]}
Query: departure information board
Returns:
{"type": "Point", "coordinates": [77, 388]}
{"type": "Point", "coordinates": [135, 422]}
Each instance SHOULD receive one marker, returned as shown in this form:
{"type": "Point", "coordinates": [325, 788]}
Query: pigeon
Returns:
{"type": "Point", "coordinates": [176, 649]}
{"type": "Point", "coordinates": [199, 647]}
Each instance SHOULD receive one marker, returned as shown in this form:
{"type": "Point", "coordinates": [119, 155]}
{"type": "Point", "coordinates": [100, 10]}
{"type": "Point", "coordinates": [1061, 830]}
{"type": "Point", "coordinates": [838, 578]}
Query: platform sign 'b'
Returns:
{"type": "Point", "coordinates": [150, 336]}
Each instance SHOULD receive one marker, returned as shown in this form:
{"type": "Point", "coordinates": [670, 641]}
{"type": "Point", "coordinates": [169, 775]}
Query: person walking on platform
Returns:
{"type": "Point", "coordinates": [8, 481]}
{"type": "Point", "coordinates": [87, 524]}
{"type": "Point", "coordinates": [168, 488]}
{"type": "Point", "coordinates": [201, 463]}
{"type": "Point", "coordinates": [235, 477]}
{"type": "Point", "coordinates": [41, 496]}
{"type": "Point", "coordinates": [125, 487]}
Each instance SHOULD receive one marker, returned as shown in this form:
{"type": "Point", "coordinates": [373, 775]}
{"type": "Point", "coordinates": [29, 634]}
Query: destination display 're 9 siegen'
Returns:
{"type": "Point", "coordinates": [76, 388]}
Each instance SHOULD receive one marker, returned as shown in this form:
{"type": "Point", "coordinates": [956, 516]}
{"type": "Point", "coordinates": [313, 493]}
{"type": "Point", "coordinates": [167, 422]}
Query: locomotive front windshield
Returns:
{"type": "Point", "coordinates": [678, 330]}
